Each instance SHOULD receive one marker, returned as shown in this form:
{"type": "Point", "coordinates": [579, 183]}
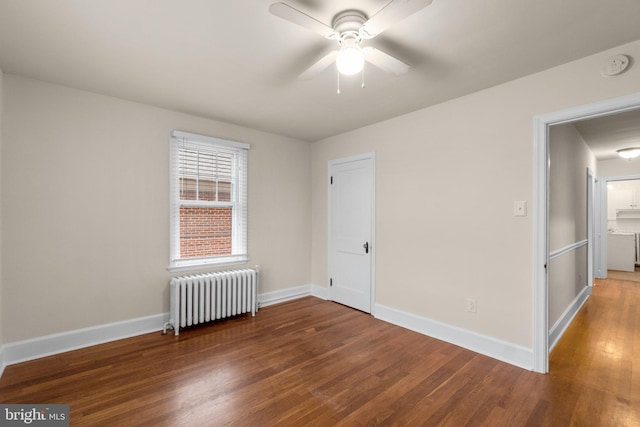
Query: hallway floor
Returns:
{"type": "Point", "coordinates": [624, 275]}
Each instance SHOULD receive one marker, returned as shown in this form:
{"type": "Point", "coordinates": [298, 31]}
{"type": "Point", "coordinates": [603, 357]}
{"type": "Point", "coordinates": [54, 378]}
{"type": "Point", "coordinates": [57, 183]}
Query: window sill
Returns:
{"type": "Point", "coordinates": [186, 265]}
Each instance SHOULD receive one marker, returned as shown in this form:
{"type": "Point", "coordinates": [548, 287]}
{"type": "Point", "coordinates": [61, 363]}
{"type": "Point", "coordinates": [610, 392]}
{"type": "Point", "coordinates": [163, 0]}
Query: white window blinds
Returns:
{"type": "Point", "coordinates": [208, 186]}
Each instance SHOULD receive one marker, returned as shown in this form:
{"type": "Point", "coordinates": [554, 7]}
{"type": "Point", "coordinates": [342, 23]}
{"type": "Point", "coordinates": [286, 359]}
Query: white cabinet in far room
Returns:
{"type": "Point", "coordinates": [626, 199]}
{"type": "Point", "coordinates": [622, 196]}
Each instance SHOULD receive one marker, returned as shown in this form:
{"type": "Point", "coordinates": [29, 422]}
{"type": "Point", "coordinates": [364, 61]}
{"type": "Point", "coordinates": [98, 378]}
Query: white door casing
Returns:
{"type": "Point", "coordinates": [541, 210]}
{"type": "Point", "coordinates": [351, 231]}
{"type": "Point", "coordinates": [592, 243]}
{"type": "Point", "coordinates": [603, 225]}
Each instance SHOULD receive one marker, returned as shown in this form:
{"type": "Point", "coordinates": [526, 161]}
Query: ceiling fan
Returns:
{"type": "Point", "coordinates": [349, 28]}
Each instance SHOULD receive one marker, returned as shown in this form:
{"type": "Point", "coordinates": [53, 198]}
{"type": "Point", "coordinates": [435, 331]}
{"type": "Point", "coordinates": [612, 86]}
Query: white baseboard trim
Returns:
{"type": "Point", "coordinates": [483, 344]}
{"type": "Point", "coordinates": [22, 351]}
{"type": "Point", "coordinates": [320, 292]}
{"type": "Point", "coordinates": [275, 297]}
{"type": "Point", "coordinates": [35, 348]}
{"type": "Point", "coordinates": [559, 328]}
{"type": "Point", "coordinates": [2, 362]}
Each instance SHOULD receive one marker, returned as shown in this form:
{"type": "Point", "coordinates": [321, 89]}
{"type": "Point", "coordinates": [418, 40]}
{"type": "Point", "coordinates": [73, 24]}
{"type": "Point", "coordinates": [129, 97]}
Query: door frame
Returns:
{"type": "Point", "coordinates": [604, 225]}
{"type": "Point", "coordinates": [592, 244]}
{"type": "Point", "coordinates": [364, 156]}
{"type": "Point", "coordinates": [600, 219]}
{"type": "Point", "coordinates": [541, 210]}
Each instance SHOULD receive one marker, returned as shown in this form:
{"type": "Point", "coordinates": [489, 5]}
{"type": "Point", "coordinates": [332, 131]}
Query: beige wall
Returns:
{"type": "Point", "coordinates": [81, 252]}
{"type": "Point", "coordinates": [1, 121]}
{"type": "Point", "coordinates": [569, 159]}
{"type": "Point", "coordinates": [618, 167]}
{"type": "Point", "coordinates": [447, 177]}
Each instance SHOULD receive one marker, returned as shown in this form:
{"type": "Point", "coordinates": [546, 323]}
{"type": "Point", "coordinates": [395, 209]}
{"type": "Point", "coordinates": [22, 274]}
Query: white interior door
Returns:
{"type": "Point", "coordinates": [351, 211]}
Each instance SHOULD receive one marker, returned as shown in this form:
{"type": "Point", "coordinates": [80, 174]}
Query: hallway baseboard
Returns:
{"type": "Point", "coordinates": [558, 329]}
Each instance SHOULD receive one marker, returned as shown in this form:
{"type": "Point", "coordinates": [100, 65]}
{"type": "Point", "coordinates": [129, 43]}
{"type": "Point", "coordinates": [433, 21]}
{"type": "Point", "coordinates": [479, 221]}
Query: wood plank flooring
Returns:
{"type": "Point", "coordinates": [315, 363]}
{"type": "Point", "coordinates": [632, 276]}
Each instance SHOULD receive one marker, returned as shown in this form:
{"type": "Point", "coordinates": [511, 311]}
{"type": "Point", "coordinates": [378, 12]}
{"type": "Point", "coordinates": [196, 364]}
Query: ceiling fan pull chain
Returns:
{"type": "Point", "coordinates": [338, 91]}
{"type": "Point", "coordinates": [362, 78]}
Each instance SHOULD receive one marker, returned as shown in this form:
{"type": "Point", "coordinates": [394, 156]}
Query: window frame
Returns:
{"type": "Point", "coordinates": [239, 242]}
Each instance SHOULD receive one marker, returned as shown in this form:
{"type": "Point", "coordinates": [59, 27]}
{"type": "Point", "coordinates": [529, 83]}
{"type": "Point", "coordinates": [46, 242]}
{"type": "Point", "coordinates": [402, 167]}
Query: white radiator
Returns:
{"type": "Point", "coordinates": [201, 298]}
{"type": "Point", "coordinates": [637, 248]}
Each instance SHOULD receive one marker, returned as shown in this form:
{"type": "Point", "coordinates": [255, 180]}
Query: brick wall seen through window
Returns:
{"type": "Point", "coordinates": [205, 231]}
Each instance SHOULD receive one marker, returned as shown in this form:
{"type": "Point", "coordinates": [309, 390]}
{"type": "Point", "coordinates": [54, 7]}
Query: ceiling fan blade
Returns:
{"type": "Point", "coordinates": [384, 61]}
{"type": "Point", "coordinates": [394, 11]}
{"type": "Point", "coordinates": [287, 12]}
{"type": "Point", "coordinates": [320, 66]}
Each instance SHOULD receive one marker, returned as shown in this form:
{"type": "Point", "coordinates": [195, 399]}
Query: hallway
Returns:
{"type": "Point", "coordinates": [600, 354]}
{"type": "Point", "coordinates": [624, 275]}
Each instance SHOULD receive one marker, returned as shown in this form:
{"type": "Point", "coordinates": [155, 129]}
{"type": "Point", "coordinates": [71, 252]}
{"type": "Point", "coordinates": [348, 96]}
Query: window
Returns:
{"type": "Point", "coordinates": [208, 201]}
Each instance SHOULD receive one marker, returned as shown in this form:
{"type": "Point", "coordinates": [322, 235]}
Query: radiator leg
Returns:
{"type": "Point", "coordinates": [256, 305]}
{"type": "Point", "coordinates": [166, 326]}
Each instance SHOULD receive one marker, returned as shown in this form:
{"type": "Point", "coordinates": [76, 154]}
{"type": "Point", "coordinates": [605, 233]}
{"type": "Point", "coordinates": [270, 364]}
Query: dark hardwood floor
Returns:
{"type": "Point", "coordinates": [312, 362]}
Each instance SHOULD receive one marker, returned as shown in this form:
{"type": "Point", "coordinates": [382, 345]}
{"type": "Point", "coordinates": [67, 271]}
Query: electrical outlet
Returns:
{"type": "Point", "coordinates": [471, 305]}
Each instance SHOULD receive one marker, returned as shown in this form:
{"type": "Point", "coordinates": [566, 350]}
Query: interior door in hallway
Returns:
{"type": "Point", "coordinates": [351, 232]}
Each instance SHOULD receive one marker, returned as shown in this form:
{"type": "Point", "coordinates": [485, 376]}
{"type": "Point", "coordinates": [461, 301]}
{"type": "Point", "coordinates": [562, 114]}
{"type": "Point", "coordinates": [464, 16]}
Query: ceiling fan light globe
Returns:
{"type": "Point", "coordinates": [350, 60]}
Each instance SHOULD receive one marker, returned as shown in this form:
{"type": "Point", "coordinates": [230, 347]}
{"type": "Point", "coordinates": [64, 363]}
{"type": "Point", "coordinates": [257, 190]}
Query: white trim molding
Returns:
{"type": "Point", "coordinates": [567, 249]}
{"type": "Point", "coordinates": [560, 327]}
{"type": "Point", "coordinates": [603, 226]}
{"type": "Point", "coordinates": [320, 292]}
{"type": "Point", "coordinates": [521, 357]}
{"type": "Point", "coordinates": [2, 362]}
{"type": "Point", "coordinates": [276, 297]}
{"type": "Point", "coordinates": [541, 126]}
{"type": "Point", "coordinates": [35, 348]}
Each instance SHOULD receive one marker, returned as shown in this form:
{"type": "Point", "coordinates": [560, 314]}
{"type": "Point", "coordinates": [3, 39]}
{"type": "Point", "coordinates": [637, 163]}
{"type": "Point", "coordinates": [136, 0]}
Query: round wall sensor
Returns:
{"type": "Point", "coordinates": [615, 65]}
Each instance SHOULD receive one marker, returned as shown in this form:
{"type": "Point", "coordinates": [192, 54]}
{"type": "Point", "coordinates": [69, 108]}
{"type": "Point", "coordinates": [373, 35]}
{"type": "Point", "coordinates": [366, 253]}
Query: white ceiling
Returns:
{"type": "Point", "coordinates": [605, 135]}
{"type": "Point", "coordinates": [233, 61]}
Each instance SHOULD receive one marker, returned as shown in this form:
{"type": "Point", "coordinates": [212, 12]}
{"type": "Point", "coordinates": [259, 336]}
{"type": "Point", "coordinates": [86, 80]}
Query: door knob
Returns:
{"type": "Point", "coordinates": [366, 247]}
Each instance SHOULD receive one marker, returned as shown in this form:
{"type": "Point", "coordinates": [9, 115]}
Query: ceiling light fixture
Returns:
{"type": "Point", "coordinates": [350, 59]}
{"type": "Point", "coordinates": [629, 153]}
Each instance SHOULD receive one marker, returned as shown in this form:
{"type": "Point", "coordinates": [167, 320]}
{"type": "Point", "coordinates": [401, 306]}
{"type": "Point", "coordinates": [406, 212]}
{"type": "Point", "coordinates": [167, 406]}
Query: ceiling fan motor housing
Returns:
{"type": "Point", "coordinates": [347, 25]}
